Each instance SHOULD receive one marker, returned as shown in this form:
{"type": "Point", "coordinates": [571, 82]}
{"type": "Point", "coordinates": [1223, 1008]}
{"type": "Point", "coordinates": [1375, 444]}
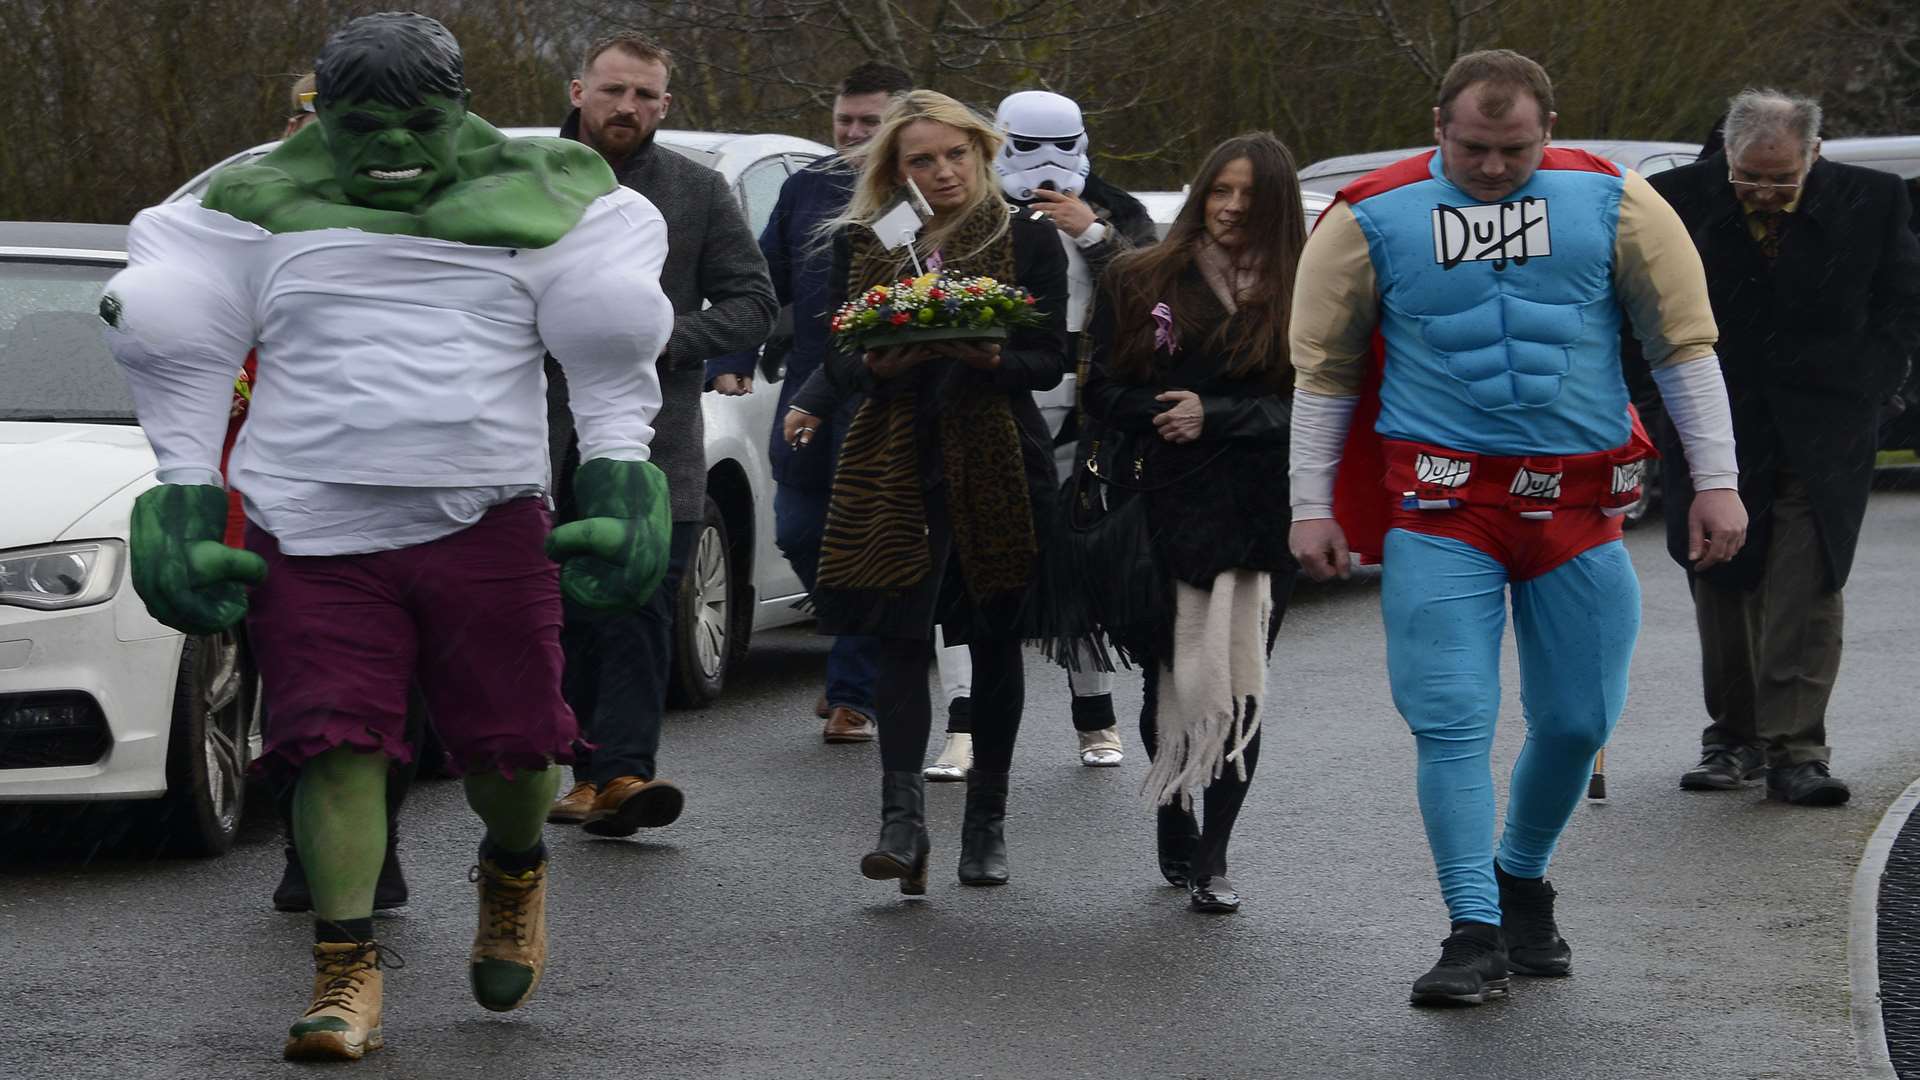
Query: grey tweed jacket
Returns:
{"type": "Point", "coordinates": [712, 259]}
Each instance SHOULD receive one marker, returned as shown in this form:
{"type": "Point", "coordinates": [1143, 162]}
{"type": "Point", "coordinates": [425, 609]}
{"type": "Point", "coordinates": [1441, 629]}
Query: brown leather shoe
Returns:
{"type": "Point", "coordinates": [821, 709]}
{"type": "Point", "coordinates": [849, 725]}
{"type": "Point", "coordinates": [572, 808]}
{"type": "Point", "coordinates": [629, 804]}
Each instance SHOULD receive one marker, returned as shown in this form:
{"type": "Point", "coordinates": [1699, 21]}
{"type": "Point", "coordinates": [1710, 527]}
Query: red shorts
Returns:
{"type": "Point", "coordinates": [474, 616]}
{"type": "Point", "coordinates": [1530, 513]}
{"type": "Point", "coordinates": [1525, 546]}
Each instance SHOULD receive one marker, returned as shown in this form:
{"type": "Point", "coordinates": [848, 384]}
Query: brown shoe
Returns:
{"type": "Point", "coordinates": [630, 804]}
{"type": "Point", "coordinates": [849, 725]}
{"type": "Point", "coordinates": [821, 709]}
{"type": "Point", "coordinates": [510, 944]}
{"type": "Point", "coordinates": [572, 808]}
{"type": "Point", "coordinates": [343, 1023]}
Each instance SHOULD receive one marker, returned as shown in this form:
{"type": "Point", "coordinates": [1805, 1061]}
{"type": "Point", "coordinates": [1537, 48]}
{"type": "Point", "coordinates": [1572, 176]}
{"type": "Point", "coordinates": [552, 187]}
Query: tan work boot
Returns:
{"type": "Point", "coordinates": [510, 945]}
{"type": "Point", "coordinates": [571, 808]}
{"type": "Point", "coordinates": [343, 1023]}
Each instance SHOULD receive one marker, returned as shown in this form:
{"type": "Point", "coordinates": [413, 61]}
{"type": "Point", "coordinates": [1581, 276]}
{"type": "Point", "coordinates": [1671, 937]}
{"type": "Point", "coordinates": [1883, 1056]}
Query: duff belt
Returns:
{"type": "Point", "coordinates": [1426, 477]}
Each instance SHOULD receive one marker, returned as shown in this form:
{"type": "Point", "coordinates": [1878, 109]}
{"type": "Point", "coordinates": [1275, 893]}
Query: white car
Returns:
{"type": "Point", "coordinates": [736, 580]}
{"type": "Point", "coordinates": [97, 700]}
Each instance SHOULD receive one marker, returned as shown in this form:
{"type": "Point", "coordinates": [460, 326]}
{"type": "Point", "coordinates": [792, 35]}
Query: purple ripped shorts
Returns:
{"type": "Point", "coordinates": [474, 616]}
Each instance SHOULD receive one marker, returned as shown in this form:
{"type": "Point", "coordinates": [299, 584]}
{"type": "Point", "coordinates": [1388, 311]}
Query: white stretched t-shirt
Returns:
{"type": "Point", "coordinates": [400, 391]}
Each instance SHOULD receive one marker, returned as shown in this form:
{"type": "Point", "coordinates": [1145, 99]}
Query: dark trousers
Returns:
{"type": "Point", "coordinates": [616, 677]}
{"type": "Point", "coordinates": [799, 519]}
{"type": "Point", "coordinates": [1769, 657]}
{"type": "Point", "coordinates": [905, 712]}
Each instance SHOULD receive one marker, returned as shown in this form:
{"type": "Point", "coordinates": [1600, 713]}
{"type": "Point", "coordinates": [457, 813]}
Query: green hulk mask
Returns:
{"type": "Point", "coordinates": [394, 158]}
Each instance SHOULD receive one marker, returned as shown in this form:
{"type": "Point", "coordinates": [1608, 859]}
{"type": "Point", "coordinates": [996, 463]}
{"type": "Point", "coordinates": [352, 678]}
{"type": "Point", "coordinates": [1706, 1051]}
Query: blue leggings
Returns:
{"type": "Point", "coordinates": [1444, 603]}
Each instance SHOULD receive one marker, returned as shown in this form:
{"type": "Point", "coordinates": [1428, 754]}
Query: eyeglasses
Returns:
{"type": "Point", "coordinates": [1758, 187]}
{"type": "Point", "coordinates": [306, 99]}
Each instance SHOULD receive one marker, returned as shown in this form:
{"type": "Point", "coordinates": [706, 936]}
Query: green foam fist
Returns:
{"type": "Point", "coordinates": [615, 556]}
{"type": "Point", "coordinates": [188, 578]}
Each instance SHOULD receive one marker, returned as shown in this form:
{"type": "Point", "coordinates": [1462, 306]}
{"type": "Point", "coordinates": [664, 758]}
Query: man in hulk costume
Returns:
{"type": "Point", "coordinates": [401, 268]}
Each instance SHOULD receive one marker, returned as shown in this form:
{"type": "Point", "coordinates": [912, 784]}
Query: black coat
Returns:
{"type": "Point", "coordinates": [1232, 511]}
{"type": "Point", "coordinates": [1810, 347]}
{"type": "Point", "coordinates": [1033, 358]}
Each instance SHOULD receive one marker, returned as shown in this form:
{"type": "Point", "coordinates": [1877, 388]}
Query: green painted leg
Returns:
{"type": "Point", "coordinates": [340, 828]}
{"type": "Point", "coordinates": [515, 811]}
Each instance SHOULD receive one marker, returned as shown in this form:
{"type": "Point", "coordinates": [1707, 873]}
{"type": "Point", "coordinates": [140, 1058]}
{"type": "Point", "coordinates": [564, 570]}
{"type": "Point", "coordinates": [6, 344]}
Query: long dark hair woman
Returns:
{"type": "Point", "coordinates": [936, 515]}
{"type": "Point", "coordinates": [1188, 386]}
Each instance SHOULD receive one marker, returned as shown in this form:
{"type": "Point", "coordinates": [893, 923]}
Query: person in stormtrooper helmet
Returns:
{"type": "Point", "coordinates": [1045, 170]}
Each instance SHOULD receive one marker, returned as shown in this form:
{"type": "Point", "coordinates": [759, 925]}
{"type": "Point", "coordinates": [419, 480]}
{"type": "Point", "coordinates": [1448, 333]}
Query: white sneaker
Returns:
{"type": "Point", "coordinates": [955, 759]}
{"type": "Point", "coordinates": [1100, 749]}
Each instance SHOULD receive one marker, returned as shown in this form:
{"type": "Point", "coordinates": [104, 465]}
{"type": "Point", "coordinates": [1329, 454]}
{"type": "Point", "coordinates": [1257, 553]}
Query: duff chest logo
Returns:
{"type": "Point", "coordinates": [1498, 233]}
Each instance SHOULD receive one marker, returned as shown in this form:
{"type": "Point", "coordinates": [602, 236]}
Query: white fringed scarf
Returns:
{"type": "Point", "coordinates": [1208, 706]}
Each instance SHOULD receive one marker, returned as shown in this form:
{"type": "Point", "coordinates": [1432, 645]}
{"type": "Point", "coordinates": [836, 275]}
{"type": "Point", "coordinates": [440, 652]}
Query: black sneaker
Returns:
{"type": "Point", "coordinates": [1472, 968]}
{"type": "Point", "coordinates": [1534, 944]}
{"type": "Point", "coordinates": [1807, 784]}
{"type": "Point", "coordinates": [1724, 768]}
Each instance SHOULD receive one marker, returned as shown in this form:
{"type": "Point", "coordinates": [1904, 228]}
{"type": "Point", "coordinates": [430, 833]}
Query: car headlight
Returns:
{"type": "Point", "coordinates": [61, 576]}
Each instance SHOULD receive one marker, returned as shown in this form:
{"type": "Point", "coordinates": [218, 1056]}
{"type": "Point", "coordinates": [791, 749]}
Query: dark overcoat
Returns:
{"type": "Point", "coordinates": [1810, 347]}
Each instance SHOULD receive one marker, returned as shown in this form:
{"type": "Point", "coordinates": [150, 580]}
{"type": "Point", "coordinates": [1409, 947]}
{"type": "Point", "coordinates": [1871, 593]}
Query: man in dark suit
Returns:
{"type": "Point", "coordinates": [1815, 282]}
{"type": "Point", "coordinates": [716, 278]}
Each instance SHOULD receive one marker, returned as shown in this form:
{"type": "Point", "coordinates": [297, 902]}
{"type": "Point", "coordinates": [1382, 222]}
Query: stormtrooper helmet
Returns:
{"type": "Point", "coordinates": [1046, 145]}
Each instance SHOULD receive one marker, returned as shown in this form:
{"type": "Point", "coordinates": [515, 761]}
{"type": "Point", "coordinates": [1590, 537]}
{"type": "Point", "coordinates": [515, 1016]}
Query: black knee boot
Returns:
{"type": "Point", "coordinates": [903, 847]}
{"type": "Point", "coordinates": [983, 836]}
{"type": "Point", "coordinates": [1176, 836]}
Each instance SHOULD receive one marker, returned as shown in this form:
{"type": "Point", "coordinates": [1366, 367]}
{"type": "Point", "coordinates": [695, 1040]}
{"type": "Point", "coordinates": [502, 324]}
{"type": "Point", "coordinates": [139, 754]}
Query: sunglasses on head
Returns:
{"type": "Point", "coordinates": [1028, 146]}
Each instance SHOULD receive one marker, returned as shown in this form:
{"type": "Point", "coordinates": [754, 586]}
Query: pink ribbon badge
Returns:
{"type": "Point", "coordinates": [1164, 335]}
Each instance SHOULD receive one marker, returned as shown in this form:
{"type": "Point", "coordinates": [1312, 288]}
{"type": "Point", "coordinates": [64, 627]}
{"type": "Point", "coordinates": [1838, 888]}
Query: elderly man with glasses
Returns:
{"type": "Point", "coordinates": [1815, 281]}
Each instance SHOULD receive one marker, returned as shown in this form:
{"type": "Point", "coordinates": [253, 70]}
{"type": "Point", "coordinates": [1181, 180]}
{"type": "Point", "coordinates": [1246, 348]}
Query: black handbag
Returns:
{"type": "Point", "coordinates": [1109, 533]}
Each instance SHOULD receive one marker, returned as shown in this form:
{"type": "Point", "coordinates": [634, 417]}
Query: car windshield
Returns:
{"type": "Point", "coordinates": [54, 364]}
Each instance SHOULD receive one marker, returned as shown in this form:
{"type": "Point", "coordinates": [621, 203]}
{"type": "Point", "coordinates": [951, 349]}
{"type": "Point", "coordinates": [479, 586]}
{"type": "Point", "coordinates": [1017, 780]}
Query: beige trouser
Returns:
{"type": "Point", "coordinates": [1768, 657]}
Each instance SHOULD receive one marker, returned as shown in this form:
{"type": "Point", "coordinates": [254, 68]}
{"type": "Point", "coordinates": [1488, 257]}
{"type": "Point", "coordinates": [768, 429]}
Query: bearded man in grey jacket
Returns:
{"type": "Point", "coordinates": [723, 302]}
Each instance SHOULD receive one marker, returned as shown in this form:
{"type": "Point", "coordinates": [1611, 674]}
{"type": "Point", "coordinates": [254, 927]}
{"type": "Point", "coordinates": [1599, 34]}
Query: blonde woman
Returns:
{"type": "Point", "coordinates": [938, 512]}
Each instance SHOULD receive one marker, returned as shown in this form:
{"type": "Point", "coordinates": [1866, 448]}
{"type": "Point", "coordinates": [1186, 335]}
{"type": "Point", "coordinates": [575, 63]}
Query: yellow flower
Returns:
{"type": "Point", "coordinates": [985, 282]}
{"type": "Point", "coordinates": [924, 282]}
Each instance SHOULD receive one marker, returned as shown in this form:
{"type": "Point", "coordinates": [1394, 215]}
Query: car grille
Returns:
{"type": "Point", "coordinates": [39, 731]}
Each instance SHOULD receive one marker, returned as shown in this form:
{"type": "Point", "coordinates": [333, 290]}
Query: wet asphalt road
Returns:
{"type": "Point", "coordinates": [1710, 931]}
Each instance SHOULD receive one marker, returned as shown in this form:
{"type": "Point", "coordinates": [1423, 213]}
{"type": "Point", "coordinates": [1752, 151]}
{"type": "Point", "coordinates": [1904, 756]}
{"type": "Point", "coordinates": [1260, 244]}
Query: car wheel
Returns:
{"type": "Point", "coordinates": [208, 750]}
{"type": "Point", "coordinates": [703, 616]}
